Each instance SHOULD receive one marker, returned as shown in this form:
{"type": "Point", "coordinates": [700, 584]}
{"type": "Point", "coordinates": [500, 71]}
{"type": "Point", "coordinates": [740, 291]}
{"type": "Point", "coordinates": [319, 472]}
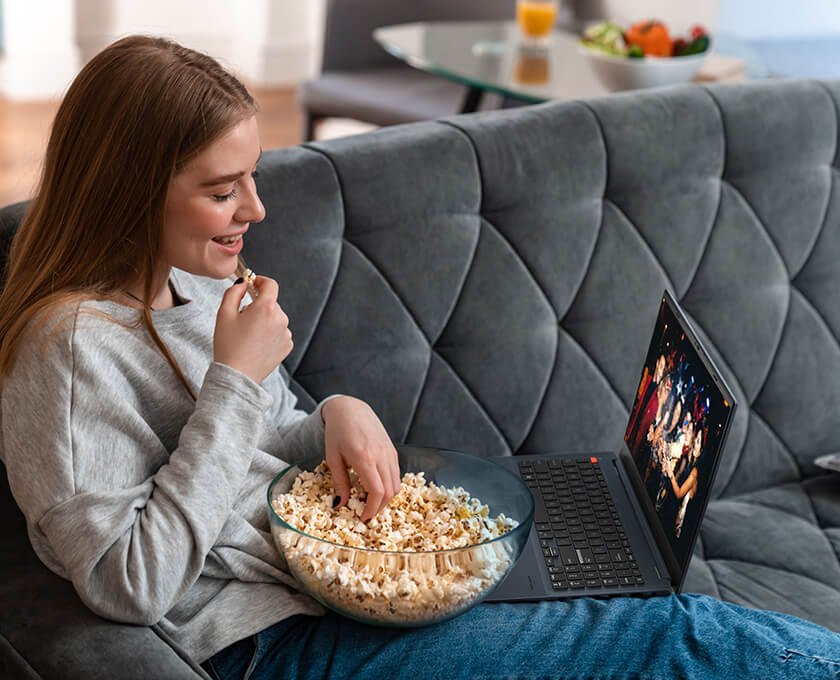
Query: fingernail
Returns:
{"type": "Point", "coordinates": [238, 281]}
{"type": "Point", "coordinates": [336, 501]}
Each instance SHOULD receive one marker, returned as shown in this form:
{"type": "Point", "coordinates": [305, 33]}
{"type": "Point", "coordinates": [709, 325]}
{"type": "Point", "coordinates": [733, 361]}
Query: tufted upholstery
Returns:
{"type": "Point", "coordinates": [490, 283]}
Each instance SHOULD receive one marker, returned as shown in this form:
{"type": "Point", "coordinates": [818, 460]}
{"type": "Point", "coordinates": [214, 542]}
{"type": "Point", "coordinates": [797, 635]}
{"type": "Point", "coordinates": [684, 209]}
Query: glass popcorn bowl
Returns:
{"type": "Point", "coordinates": [409, 588]}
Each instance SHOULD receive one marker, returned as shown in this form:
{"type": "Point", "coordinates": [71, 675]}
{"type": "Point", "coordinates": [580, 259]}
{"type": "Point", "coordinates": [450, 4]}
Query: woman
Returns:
{"type": "Point", "coordinates": [684, 485]}
{"type": "Point", "coordinates": [143, 417]}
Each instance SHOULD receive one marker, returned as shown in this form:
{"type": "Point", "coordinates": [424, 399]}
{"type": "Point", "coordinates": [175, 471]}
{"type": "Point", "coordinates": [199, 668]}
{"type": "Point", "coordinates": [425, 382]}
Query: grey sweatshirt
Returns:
{"type": "Point", "coordinates": [152, 504]}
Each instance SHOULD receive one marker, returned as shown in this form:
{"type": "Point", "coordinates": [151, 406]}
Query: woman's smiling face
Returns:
{"type": "Point", "coordinates": [211, 203]}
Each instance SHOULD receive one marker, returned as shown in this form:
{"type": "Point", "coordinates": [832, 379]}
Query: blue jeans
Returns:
{"type": "Point", "coordinates": [685, 636]}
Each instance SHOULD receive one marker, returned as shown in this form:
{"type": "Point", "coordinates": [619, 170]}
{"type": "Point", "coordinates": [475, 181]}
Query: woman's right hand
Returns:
{"type": "Point", "coordinates": [255, 340]}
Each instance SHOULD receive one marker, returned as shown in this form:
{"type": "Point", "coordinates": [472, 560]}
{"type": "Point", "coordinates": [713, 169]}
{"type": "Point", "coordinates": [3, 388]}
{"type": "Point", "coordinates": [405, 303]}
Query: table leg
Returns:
{"type": "Point", "coordinates": [472, 99]}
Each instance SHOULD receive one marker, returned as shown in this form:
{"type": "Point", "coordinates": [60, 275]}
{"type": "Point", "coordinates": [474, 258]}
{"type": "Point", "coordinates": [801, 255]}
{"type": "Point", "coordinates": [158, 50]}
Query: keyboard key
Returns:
{"type": "Point", "coordinates": [569, 556]}
{"type": "Point", "coordinates": [593, 583]}
{"type": "Point", "coordinates": [610, 581]}
{"type": "Point", "coordinates": [559, 586]}
{"type": "Point", "coordinates": [576, 585]}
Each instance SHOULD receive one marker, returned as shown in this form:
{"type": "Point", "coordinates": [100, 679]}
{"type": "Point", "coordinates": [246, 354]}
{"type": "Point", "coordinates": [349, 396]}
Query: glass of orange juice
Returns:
{"type": "Point", "coordinates": [536, 18]}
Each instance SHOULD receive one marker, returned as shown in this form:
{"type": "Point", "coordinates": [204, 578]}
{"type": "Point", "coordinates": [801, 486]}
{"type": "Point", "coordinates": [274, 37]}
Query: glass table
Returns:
{"type": "Point", "coordinates": [492, 57]}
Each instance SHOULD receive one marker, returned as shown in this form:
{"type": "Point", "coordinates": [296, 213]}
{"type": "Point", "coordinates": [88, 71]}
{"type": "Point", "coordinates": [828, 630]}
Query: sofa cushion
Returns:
{"type": "Point", "coordinates": [490, 282]}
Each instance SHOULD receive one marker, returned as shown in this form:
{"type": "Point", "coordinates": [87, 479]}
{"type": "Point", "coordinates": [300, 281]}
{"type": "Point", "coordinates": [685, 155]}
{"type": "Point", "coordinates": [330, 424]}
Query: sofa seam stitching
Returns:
{"type": "Point", "coordinates": [832, 170]}
{"type": "Point", "coordinates": [819, 315]}
{"type": "Point", "coordinates": [191, 663]}
{"type": "Point", "coordinates": [722, 558]}
{"type": "Point", "coordinates": [20, 656]}
{"type": "Point", "coordinates": [702, 258]}
{"type": "Point", "coordinates": [478, 403]}
{"type": "Point", "coordinates": [736, 189]}
{"type": "Point", "coordinates": [751, 563]}
{"type": "Point", "coordinates": [331, 288]}
{"type": "Point", "coordinates": [605, 199]}
{"type": "Point", "coordinates": [781, 441]}
{"type": "Point", "coordinates": [821, 84]}
{"type": "Point", "coordinates": [433, 350]}
{"type": "Point", "coordinates": [550, 373]}
{"type": "Point", "coordinates": [479, 215]}
{"type": "Point", "coordinates": [594, 363]}
{"type": "Point", "coordinates": [484, 221]}
{"type": "Point", "coordinates": [390, 288]}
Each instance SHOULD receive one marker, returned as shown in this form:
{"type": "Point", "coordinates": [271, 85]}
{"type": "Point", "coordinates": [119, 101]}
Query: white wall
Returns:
{"type": "Point", "coordinates": [40, 56]}
{"type": "Point", "coordinates": [266, 42]}
{"type": "Point", "coordinates": [779, 18]}
{"type": "Point", "coordinates": [678, 15]}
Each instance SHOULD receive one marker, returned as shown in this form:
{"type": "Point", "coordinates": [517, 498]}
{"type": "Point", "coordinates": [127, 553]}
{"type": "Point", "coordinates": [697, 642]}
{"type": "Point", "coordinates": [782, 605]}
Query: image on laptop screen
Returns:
{"type": "Point", "coordinates": [674, 431]}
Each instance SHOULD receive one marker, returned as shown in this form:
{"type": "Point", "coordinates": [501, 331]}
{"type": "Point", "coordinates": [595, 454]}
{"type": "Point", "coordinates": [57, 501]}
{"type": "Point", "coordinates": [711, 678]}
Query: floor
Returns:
{"type": "Point", "coordinates": [25, 126]}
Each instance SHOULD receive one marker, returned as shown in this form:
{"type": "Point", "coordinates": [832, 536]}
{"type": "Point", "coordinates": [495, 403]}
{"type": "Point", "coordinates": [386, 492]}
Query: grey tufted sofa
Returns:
{"type": "Point", "coordinates": [489, 283]}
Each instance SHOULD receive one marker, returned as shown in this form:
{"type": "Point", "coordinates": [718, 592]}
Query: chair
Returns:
{"type": "Point", "coordinates": [360, 80]}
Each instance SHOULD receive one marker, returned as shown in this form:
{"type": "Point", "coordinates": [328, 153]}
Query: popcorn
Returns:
{"type": "Point", "coordinates": [400, 574]}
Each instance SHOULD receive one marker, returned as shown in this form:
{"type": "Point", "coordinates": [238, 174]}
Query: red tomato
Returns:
{"type": "Point", "coordinates": [696, 31]}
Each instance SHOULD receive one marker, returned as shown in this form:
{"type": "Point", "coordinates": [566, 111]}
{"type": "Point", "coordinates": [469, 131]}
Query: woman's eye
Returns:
{"type": "Point", "coordinates": [255, 174]}
{"type": "Point", "coordinates": [225, 197]}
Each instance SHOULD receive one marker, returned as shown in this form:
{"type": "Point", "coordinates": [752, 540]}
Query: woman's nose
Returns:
{"type": "Point", "coordinates": [251, 208]}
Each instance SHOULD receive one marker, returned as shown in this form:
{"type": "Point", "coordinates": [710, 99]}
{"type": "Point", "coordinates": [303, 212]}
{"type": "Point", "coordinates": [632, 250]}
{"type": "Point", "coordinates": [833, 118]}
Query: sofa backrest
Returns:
{"type": "Point", "coordinates": [489, 282]}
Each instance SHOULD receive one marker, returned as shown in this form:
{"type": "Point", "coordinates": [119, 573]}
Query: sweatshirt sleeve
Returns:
{"type": "Point", "coordinates": [302, 433]}
{"type": "Point", "coordinates": [131, 544]}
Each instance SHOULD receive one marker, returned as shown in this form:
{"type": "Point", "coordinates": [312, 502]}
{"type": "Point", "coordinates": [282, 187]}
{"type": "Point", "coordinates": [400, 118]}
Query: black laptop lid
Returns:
{"type": "Point", "coordinates": [676, 432]}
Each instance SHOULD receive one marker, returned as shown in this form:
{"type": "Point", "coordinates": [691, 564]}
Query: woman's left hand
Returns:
{"type": "Point", "coordinates": [356, 438]}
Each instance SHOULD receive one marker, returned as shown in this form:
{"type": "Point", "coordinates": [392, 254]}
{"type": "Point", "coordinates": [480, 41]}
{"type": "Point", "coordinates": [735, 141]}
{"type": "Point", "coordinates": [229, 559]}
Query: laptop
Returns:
{"type": "Point", "coordinates": [625, 523]}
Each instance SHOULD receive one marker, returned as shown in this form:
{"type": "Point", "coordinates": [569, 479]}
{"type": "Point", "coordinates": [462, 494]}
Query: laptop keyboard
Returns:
{"type": "Point", "coordinates": [580, 532]}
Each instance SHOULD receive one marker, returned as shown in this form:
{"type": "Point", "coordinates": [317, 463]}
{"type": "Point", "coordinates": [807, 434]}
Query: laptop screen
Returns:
{"type": "Point", "coordinates": [676, 428]}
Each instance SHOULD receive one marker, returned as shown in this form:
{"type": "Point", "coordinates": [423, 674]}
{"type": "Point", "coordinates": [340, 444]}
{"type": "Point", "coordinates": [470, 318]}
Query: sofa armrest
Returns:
{"type": "Point", "coordinates": [48, 633]}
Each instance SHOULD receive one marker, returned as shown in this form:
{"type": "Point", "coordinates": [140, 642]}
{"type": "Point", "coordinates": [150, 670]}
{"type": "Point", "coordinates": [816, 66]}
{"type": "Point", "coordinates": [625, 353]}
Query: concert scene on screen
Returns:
{"type": "Point", "coordinates": [674, 430]}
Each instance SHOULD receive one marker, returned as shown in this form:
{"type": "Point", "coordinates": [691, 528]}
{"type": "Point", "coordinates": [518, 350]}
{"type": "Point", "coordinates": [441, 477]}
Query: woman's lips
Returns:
{"type": "Point", "coordinates": [230, 244]}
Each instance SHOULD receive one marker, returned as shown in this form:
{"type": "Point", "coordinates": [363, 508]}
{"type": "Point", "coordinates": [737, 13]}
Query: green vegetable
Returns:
{"type": "Point", "coordinates": [635, 52]}
{"type": "Point", "coordinates": [696, 46]}
{"type": "Point", "coordinates": [606, 37]}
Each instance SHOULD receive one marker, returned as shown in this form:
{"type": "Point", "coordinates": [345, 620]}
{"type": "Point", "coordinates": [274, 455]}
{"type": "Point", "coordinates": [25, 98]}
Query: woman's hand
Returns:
{"type": "Point", "coordinates": [255, 340]}
{"type": "Point", "coordinates": [356, 438]}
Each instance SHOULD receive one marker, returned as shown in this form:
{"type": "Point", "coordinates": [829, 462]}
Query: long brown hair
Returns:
{"type": "Point", "coordinates": [136, 114]}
